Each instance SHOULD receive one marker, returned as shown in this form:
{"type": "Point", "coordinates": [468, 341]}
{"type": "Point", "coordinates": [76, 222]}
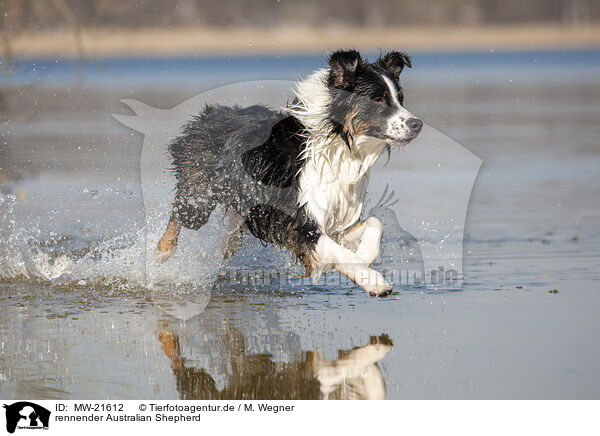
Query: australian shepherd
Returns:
{"type": "Point", "coordinates": [298, 177]}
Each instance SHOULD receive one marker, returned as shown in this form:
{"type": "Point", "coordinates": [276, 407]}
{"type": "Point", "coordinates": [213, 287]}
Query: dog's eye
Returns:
{"type": "Point", "coordinates": [381, 99]}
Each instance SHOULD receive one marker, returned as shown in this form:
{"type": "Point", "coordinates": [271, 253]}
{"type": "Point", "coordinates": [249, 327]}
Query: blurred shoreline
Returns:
{"type": "Point", "coordinates": [100, 42]}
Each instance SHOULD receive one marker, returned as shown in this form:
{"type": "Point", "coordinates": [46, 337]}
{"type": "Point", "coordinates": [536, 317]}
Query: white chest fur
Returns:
{"type": "Point", "coordinates": [333, 180]}
{"type": "Point", "coordinates": [333, 183]}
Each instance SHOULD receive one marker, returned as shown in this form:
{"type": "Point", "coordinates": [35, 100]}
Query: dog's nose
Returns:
{"type": "Point", "coordinates": [415, 124]}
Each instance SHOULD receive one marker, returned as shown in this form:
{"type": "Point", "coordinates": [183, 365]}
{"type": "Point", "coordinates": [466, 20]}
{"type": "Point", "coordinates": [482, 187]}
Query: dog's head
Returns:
{"type": "Point", "coordinates": [367, 99]}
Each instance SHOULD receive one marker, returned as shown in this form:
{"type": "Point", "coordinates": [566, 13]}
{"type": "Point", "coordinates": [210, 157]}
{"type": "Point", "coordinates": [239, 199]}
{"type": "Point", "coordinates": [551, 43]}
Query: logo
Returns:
{"type": "Point", "coordinates": [26, 415]}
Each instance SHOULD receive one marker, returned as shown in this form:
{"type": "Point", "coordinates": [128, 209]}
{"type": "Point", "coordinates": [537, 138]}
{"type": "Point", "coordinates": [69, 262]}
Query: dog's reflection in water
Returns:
{"type": "Point", "coordinates": [354, 375]}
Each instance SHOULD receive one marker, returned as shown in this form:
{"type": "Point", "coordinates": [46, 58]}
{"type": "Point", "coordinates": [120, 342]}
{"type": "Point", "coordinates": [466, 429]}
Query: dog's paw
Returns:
{"type": "Point", "coordinates": [163, 256]}
{"type": "Point", "coordinates": [374, 284]}
{"type": "Point", "coordinates": [381, 291]}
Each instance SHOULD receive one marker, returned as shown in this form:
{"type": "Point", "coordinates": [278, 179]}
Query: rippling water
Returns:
{"type": "Point", "coordinates": [80, 319]}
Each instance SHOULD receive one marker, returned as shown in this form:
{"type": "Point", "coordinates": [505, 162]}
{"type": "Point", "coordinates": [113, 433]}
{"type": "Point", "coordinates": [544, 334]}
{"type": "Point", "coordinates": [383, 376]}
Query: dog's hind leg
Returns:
{"type": "Point", "coordinates": [189, 214]}
{"type": "Point", "coordinates": [168, 242]}
{"type": "Point", "coordinates": [234, 234]}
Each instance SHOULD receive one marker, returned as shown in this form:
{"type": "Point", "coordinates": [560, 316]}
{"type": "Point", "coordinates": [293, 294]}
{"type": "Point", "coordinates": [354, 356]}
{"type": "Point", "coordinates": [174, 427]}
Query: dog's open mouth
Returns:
{"type": "Point", "coordinates": [399, 142]}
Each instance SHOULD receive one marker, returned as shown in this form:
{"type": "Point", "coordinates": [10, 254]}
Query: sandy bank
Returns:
{"type": "Point", "coordinates": [252, 41]}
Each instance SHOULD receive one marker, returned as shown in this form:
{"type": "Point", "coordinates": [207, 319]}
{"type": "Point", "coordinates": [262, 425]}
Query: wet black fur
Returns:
{"type": "Point", "coordinates": [247, 159]}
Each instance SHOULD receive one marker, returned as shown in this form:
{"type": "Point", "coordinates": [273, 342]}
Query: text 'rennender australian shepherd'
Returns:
{"type": "Point", "coordinates": [298, 177]}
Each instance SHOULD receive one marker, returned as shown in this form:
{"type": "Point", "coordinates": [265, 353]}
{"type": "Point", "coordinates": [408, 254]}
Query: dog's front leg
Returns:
{"type": "Point", "coordinates": [351, 265]}
{"type": "Point", "coordinates": [366, 237]}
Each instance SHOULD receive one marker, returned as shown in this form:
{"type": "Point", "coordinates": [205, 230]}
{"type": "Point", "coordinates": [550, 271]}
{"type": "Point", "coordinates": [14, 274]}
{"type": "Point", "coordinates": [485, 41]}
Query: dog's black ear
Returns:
{"type": "Point", "coordinates": [344, 68]}
{"type": "Point", "coordinates": [394, 62]}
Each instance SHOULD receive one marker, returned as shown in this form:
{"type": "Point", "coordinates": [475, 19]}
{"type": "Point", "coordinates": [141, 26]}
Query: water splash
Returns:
{"type": "Point", "coordinates": [115, 266]}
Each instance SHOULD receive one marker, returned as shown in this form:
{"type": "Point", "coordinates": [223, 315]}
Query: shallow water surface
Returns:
{"type": "Point", "coordinates": [79, 317]}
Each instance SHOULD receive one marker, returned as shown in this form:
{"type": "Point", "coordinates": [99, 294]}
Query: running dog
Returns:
{"type": "Point", "coordinates": [298, 177]}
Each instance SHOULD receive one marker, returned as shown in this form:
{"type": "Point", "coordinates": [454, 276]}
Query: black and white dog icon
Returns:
{"type": "Point", "coordinates": [24, 414]}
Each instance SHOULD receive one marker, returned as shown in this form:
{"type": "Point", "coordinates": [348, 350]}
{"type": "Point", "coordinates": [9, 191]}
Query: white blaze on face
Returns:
{"type": "Point", "coordinates": [397, 127]}
{"type": "Point", "coordinates": [393, 90]}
